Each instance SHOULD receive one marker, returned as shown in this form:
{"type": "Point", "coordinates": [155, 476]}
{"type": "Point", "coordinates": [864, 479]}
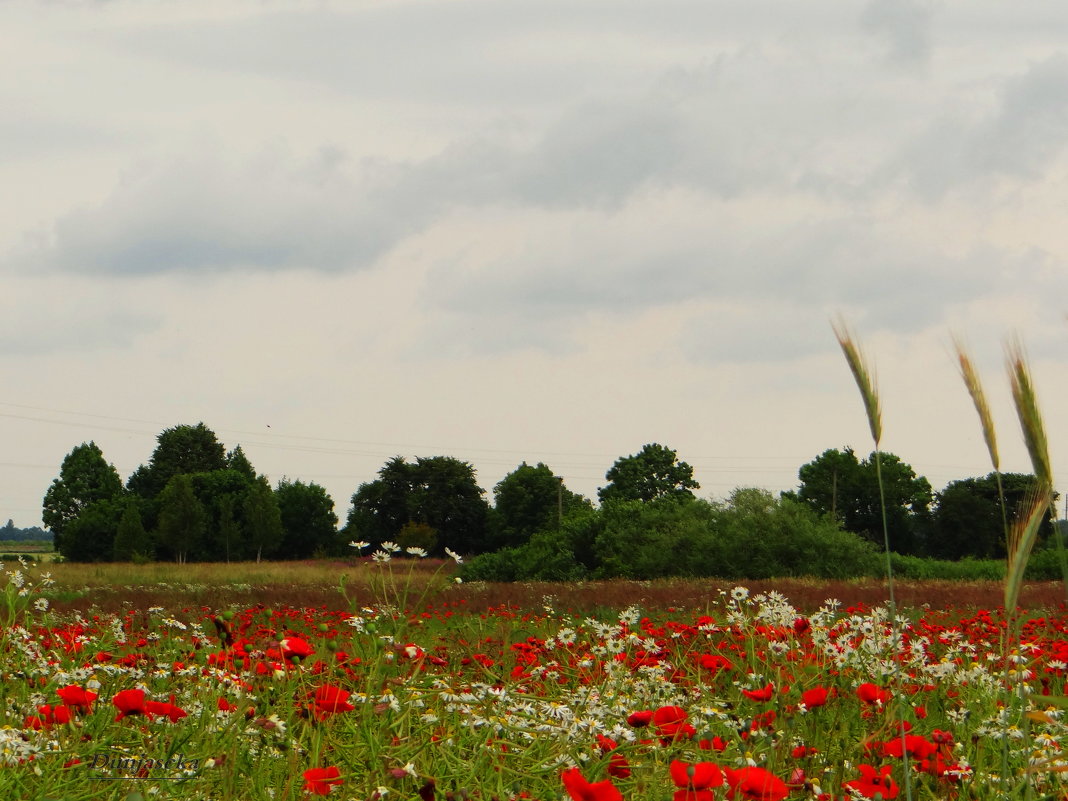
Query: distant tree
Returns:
{"type": "Point", "coordinates": [263, 520]}
{"type": "Point", "coordinates": [839, 484]}
{"type": "Point", "coordinates": [440, 491]}
{"type": "Point", "coordinates": [182, 519]}
{"type": "Point", "coordinates": [222, 493]}
{"type": "Point", "coordinates": [131, 540]}
{"type": "Point", "coordinates": [85, 477]}
{"type": "Point", "coordinates": [90, 537]}
{"type": "Point", "coordinates": [967, 519]}
{"type": "Point", "coordinates": [309, 524]}
{"type": "Point", "coordinates": [236, 460]}
{"type": "Point", "coordinates": [530, 499]}
{"type": "Point", "coordinates": [183, 449]}
{"type": "Point", "coordinates": [653, 473]}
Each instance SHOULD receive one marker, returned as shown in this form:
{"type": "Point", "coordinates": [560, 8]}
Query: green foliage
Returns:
{"type": "Point", "coordinates": [839, 484]}
{"type": "Point", "coordinates": [263, 519]}
{"type": "Point", "coordinates": [309, 524]}
{"type": "Point", "coordinates": [183, 449]}
{"type": "Point", "coordinates": [417, 535]}
{"type": "Point", "coordinates": [967, 519]}
{"type": "Point", "coordinates": [85, 478]}
{"type": "Point", "coordinates": [440, 491]}
{"type": "Point", "coordinates": [760, 536]}
{"type": "Point", "coordinates": [546, 556]}
{"type": "Point", "coordinates": [652, 540]}
{"type": "Point", "coordinates": [236, 460]}
{"type": "Point", "coordinates": [90, 537]}
{"type": "Point", "coordinates": [530, 499]}
{"type": "Point", "coordinates": [132, 542]}
{"type": "Point", "coordinates": [182, 519]}
{"type": "Point", "coordinates": [12, 533]}
{"type": "Point", "coordinates": [654, 472]}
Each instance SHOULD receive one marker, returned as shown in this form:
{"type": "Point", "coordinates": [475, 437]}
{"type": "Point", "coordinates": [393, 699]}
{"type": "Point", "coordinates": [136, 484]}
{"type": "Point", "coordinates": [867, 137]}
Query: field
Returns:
{"type": "Point", "coordinates": [379, 681]}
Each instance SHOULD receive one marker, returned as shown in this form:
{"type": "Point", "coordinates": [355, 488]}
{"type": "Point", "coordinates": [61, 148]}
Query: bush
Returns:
{"type": "Point", "coordinates": [762, 537]}
{"type": "Point", "coordinates": [653, 539]}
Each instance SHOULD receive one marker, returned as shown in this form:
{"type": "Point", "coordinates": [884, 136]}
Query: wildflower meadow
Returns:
{"type": "Point", "coordinates": [747, 698]}
{"type": "Point", "coordinates": [402, 687]}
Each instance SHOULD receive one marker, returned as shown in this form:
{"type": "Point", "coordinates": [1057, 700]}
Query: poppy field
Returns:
{"type": "Point", "coordinates": [398, 697]}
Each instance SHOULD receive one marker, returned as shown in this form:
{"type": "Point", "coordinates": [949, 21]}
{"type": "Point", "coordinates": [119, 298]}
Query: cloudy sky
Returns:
{"type": "Point", "coordinates": [336, 232]}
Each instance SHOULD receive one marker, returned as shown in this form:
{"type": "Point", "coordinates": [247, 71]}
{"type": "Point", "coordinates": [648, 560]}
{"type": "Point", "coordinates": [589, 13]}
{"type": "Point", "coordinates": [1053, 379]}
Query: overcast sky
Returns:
{"type": "Point", "coordinates": [542, 231]}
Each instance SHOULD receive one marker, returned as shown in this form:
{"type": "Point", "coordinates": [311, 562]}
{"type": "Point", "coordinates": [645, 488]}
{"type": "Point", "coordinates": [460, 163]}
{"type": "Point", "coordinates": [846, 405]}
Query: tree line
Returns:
{"type": "Point", "coordinates": [195, 501]}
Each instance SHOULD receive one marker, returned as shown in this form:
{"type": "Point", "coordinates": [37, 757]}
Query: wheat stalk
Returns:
{"type": "Point", "coordinates": [1028, 520]}
{"type": "Point", "coordinates": [975, 389]}
{"type": "Point", "coordinates": [1023, 396]}
{"type": "Point", "coordinates": [863, 376]}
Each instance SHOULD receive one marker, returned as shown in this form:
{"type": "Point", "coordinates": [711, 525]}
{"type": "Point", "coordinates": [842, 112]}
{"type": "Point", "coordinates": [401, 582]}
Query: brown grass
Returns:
{"type": "Point", "coordinates": [114, 587]}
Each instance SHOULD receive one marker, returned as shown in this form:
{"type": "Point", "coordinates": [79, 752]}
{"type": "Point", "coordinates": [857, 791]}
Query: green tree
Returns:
{"type": "Point", "coordinates": [309, 524]}
{"type": "Point", "coordinates": [530, 499]}
{"type": "Point", "coordinates": [653, 473]}
{"type": "Point", "coordinates": [91, 535]}
{"type": "Point", "coordinates": [967, 518]}
{"type": "Point", "coordinates": [85, 477]}
{"type": "Point", "coordinates": [838, 484]}
{"type": "Point", "coordinates": [236, 460]}
{"type": "Point", "coordinates": [440, 491]}
{"type": "Point", "coordinates": [182, 519]}
{"type": "Point", "coordinates": [183, 449]}
{"type": "Point", "coordinates": [263, 520]}
{"type": "Point", "coordinates": [131, 540]}
{"type": "Point", "coordinates": [222, 493]}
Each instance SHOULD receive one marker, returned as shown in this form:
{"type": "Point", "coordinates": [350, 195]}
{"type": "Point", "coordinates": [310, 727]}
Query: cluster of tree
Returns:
{"type": "Point", "coordinates": [12, 533]}
{"type": "Point", "coordinates": [968, 518]}
{"type": "Point", "coordinates": [193, 501]}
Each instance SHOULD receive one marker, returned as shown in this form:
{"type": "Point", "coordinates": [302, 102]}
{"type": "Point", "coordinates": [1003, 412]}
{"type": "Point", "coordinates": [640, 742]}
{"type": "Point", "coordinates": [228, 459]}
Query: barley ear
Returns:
{"type": "Point", "coordinates": [975, 390]}
{"type": "Point", "coordinates": [1023, 396]}
{"type": "Point", "coordinates": [1022, 538]}
{"type": "Point", "coordinates": [863, 377]}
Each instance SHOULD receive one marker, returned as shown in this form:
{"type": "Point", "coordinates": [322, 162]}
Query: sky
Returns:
{"type": "Point", "coordinates": [547, 231]}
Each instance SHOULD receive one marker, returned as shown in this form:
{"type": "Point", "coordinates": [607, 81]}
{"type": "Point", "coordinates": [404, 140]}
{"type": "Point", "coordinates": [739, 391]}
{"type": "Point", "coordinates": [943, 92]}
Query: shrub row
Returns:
{"type": "Point", "coordinates": [751, 536]}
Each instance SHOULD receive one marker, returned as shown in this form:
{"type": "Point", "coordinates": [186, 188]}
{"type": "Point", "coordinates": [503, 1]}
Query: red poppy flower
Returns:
{"type": "Point", "coordinates": [640, 719]}
{"type": "Point", "coordinates": [617, 763]}
{"type": "Point", "coordinates": [76, 697]}
{"type": "Point", "coordinates": [817, 696]}
{"type": "Point", "coordinates": [765, 693]}
{"type": "Point", "coordinates": [330, 700]}
{"type": "Point", "coordinates": [671, 724]}
{"type": "Point", "coordinates": [168, 709]}
{"type": "Point", "coordinates": [581, 790]}
{"type": "Point", "coordinates": [755, 784]}
{"type": "Point", "coordinates": [296, 647]}
{"type": "Point", "coordinates": [873, 695]}
{"type": "Point", "coordinates": [320, 780]}
{"type": "Point", "coordinates": [873, 782]}
{"type": "Point", "coordinates": [696, 779]}
{"type": "Point", "coordinates": [714, 662]}
{"type": "Point", "coordinates": [130, 702]}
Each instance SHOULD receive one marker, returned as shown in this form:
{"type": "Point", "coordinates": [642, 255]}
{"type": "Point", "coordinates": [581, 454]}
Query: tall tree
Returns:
{"type": "Point", "coordinates": [90, 537]}
{"type": "Point", "coordinates": [131, 539]}
{"type": "Point", "coordinates": [530, 499]}
{"type": "Point", "coordinates": [438, 491]}
{"type": "Point", "coordinates": [263, 520]}
{"type": "Point", "coordinates": [309, 524]}
{"type": "Point", "coordinates": [236, 460]}
{"type": "Point", "coordinates": [654, 472]}
{"type": "Point", "coordinates": [85, 477]}
{"type": "Point", "coordinates": [967, 519]}
{"type": "Point", "coordinates": [182, 520]}
{"type": "Point", "coordinates": [180, 450]}
{"type": "Point", "coordinates": [837, 483]}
